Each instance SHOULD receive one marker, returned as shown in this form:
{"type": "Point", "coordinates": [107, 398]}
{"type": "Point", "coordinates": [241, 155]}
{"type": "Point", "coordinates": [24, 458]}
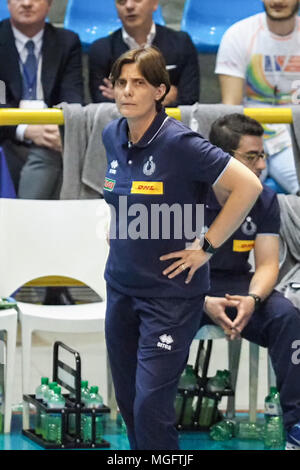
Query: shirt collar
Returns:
{"type": "Point", "coordinates": [21, 39]}
{"type": "Point", "coordinates": [131, 42]}
{"type": "Point", "coordinates": [150, 134]}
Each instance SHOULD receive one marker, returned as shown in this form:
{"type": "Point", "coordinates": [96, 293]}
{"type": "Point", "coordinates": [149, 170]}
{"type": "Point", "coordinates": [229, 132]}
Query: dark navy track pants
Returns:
{"type": "Point", "coordinates": [148, 342]}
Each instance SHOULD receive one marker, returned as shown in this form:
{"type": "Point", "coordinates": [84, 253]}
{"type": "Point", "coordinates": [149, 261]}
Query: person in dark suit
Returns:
{"type": "Point", "coordinates": [41, 67]}
{"type": "Point", "coordinates": [138, 29]}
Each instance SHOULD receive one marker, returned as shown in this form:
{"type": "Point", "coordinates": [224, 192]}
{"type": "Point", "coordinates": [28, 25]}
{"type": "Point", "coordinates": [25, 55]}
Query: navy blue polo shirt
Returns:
{"type": "Point", "coordinates": [170, 165]}
{"type": "Point", "coordinates": [263, 219]}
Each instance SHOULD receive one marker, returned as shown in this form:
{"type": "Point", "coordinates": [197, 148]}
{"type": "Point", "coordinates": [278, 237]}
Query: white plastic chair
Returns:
{"type": "Point", "coordinates": [59, 238]}
{"type": "Point", "coordinates": [8, 322]}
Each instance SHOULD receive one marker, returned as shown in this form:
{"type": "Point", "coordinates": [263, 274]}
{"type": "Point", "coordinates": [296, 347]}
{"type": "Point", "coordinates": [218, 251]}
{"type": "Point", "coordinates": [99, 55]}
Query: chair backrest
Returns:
{"type": "Point", "coordinates": [4, 13]}
{"type": "Point", "coordinates": [207, 20]}
{"type": "Point", "coordinates": [59, 238]}
{"type": "Point", "coordinates": [94, 19]}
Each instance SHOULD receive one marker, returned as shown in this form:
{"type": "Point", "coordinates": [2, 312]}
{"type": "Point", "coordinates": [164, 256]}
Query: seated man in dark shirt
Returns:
{"type": "Point", "coordinates": [137, 29]}
{"type": "Point", "coordinates": [261, 314]}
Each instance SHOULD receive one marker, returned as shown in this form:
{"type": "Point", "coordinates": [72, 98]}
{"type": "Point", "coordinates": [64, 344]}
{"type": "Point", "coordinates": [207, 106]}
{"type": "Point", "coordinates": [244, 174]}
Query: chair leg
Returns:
{"type": "Point", "coordinates": [9, 375]}
{"type": "Point", "coordinates": [234, 353]}
{"type": "Point", "coordinates": [253, 380]}
{"type": "Point", "coordinates": [26, 355]}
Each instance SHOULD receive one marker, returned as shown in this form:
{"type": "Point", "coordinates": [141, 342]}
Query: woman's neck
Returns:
{"type": "Point", "coordinates": [138, 127]}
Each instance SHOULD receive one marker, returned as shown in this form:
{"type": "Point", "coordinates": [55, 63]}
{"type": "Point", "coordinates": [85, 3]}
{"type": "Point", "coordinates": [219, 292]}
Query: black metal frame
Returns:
{"type": "Point", "coordinates": [201, 392]}
{"type": "Point", "coordinates": [73, 406]}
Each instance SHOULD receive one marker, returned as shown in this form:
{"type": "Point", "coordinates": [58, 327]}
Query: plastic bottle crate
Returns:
{"type": "Point", "coordinates": [200, 394]}
{"type": "Point", "coordinates": [73, 406]}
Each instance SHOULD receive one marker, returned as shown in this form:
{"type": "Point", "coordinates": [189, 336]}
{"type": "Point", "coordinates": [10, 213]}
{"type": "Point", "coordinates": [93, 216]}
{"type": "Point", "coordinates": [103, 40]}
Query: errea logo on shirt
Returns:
{"type": "Point", "coordinates": [113, 167]}
{"type": "Point", "coordinates": [165, 341]}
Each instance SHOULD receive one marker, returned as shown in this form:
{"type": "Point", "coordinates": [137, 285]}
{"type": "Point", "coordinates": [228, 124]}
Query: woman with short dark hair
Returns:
{"type": "Point", "coordinates": [158, 173]}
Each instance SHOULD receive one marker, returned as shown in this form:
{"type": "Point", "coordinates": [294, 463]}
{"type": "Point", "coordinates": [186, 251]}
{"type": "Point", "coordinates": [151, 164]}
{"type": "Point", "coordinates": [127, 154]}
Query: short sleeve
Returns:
{"type": "Point", "coordinates": [270, 217]}
{"type": "Point", "coordinates": [232, 53]}
{"type": "Point", "coordinates": [204, 162]}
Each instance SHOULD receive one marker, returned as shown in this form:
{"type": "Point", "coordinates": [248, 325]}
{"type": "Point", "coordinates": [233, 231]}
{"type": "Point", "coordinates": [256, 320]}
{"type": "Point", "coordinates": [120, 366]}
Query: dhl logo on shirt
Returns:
{"type": "Point", "coordinates": [147, 187]}
{"type": "Point", "coordinates": [243, 245]}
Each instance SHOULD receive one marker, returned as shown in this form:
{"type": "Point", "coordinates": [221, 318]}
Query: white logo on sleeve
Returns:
{"type": "Point", "coordinates": [113, 165]}
{"type": "Point", "coordinates": [165, 342]}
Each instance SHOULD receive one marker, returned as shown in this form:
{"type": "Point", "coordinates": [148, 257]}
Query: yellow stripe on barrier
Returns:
{"type": "Point", "coordinates": [270, 115]}
{"type": "Point", "coordinates": [15, 116]}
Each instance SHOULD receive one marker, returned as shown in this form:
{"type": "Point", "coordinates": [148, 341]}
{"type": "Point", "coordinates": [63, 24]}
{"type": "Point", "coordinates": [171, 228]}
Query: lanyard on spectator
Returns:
{"type": "Point", "coordinates": [278, 74]}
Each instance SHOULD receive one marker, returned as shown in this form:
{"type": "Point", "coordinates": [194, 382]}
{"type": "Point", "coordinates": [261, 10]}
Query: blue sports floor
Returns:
{"type": "Point", "coordinates": [118, 439]}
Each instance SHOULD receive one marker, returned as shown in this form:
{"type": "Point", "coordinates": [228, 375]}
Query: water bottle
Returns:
{"type": "Point", "coordinates": [39, 395]}
{"type": "Point", "coordinates": [223, 430]}
{"type": "Point", "coordinates": [274, 435]}
{"type": "Point", "coordinates": [72, 416]}
{"type": "Point", "coordinates": [247, 430]}
{"type": "Point", "coordinates": [187, 383]}
{"type": "Point", "coordinates": [44, 416]}
{"type": "Point", "coordinates": [94, 401]}
{"type": "Point", "coordinates": [1, 408]}
{"type": "Point", "coordinates": [219, 382]}
{"type": "Point", "coordinates": [54, 420]}
{"type": "Point", "coordinates": [207, 412]}
{"type": "Point", "coordinates": [121, 423]}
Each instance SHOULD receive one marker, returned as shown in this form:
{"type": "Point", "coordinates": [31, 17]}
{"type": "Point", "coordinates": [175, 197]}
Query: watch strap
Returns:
{"type": "Point", "coordinates": [207, 247]}
{"type": "Point", "coordinates": [257, 300]}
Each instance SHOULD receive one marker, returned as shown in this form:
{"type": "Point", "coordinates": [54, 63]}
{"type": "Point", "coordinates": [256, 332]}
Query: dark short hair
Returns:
{"type": "Point", "coordinates": [150, 63]}
{"type": "Point", "coordinates": [227, 131]}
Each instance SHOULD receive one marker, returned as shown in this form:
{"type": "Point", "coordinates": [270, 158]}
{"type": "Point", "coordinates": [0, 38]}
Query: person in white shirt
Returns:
{"type": "Point", "coordinates": [258, 64]}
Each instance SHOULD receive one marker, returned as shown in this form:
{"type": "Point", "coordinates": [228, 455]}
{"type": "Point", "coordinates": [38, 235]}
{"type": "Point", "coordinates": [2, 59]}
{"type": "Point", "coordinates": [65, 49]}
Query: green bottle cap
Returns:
{"type": "Point", "coordinates": [94, 389]}
{"type": "Point", "coordinates": [84, 383]}
{"type": "Point", "coordinates": [52, 385]}
{"type": "Point", "coordinates": [44, 380]}
{"type": "Point", "coordinates": [57, 390]}
{"type": "Point", "coordinates": [273, 390]}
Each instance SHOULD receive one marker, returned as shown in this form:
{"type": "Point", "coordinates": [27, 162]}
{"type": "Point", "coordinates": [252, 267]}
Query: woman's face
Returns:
{"type": "Point", "coordinates": [135, 96]}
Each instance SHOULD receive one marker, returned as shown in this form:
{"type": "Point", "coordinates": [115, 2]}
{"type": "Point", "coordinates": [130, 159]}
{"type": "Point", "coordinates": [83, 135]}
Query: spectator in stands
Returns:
{"type": "Point", "coordinates": [262, 315]}
{"type": "Point", "coordinates": [258, 63]}
{"type": "Point", "coordinates": [138, 29]}
{"type": "Point", "coordinates": [41, 67]}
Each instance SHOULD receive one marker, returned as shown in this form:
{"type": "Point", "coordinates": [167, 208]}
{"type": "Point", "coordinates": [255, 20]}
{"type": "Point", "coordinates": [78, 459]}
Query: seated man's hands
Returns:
{"type": "Point", "coordinates": [46, 135]}
{"type": "Point", "coordinates": [245, 309]}
{"type": "Point", "coordinates": [107, 89]}
{"type": "Point", "coordinates": [214, 307]}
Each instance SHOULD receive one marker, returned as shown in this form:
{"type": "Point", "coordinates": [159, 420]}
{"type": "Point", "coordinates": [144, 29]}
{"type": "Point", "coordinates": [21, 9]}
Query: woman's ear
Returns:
{"type": "Point", "coordinates": [160, 91]}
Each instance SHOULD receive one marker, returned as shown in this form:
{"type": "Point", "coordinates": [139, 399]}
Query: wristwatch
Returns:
{"type": "Point", "coordinates": [207, 246]}
{"type": "Point", "coordinates": [257, 300]}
